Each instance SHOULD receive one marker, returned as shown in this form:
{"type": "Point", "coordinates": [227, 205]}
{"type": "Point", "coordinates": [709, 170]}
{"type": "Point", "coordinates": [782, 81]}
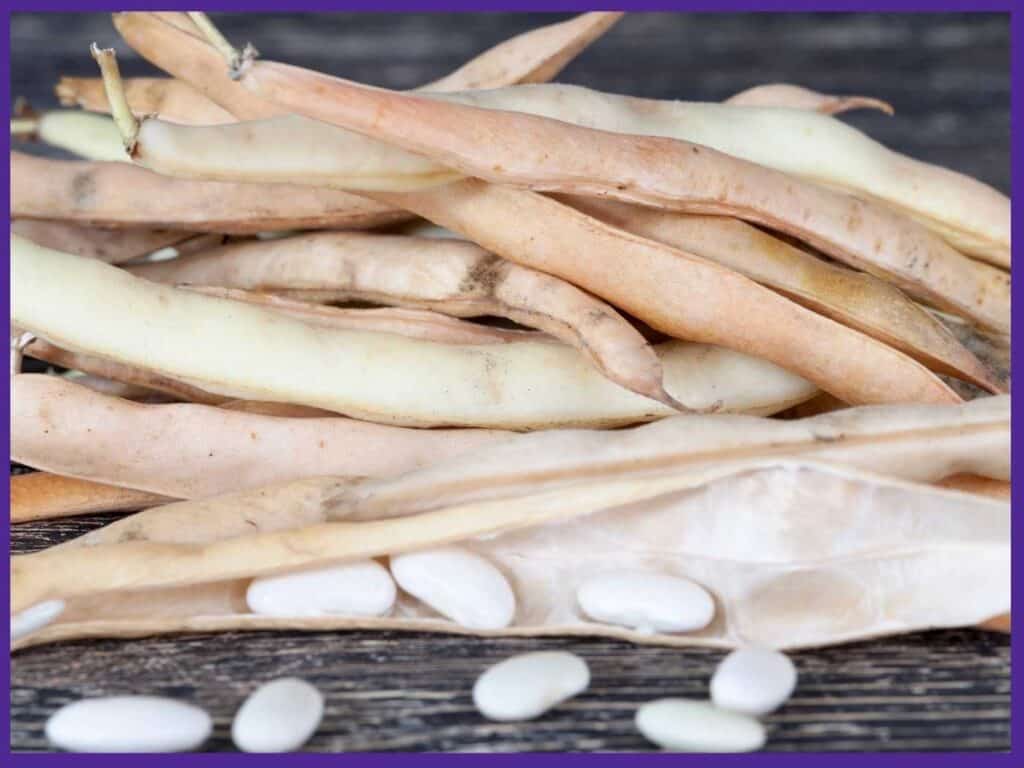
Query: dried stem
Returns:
{"type": "Point", "coordinates": [126, 122]}
{"type": "Point", "coordinates": [236, 59]}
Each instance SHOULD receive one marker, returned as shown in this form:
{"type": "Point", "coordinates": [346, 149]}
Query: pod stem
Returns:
{"type": "Point", "coordinates": [126, 122]}
{"type": "Point", "coordinates": [236, 59]}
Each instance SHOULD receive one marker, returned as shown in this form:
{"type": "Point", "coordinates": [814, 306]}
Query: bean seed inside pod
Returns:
{"type": "Point", "coordinates": [528, 685]}
{"type": "Point", "coordinates": [646, 600]}
{"type": "Point", "coordinates": [356, 589]}
{"type": "Point", "coordinates": [35, 618]}
{"type": "Point", "coordinates": [459, 584]}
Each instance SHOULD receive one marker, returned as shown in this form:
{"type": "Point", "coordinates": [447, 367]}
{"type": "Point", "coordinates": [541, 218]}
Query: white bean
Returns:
{"type": "Point", "coordinates": [684, 725]}
{"type": "Point", "coordinates": [525, 686]}
{"type": "Point", "coordinates": [279, 716]}
{"type": "Point", "coordinates": [356, 589]}
{"type": "Point", "coordinates": [754, 681]}
{"type": "Point", "coordinates": [459, 584]}
{"type": "Point", "coordinates": [35, 618]}
{"type": "Point", "coordinates": [128, 724]}
{"type": "Point", "coordinates": [646, 600]}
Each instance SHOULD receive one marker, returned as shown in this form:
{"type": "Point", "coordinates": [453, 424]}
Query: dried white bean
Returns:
{"type": "Point", "coordinates": [528, 685]}
{"type": "Point", "coordinates": [35, 618]}
{"type": "Point", "coordinates": [646, 601]}
{"type": "Point", "coordinates": [684, 725]}
{"type": "Point", "coordinates": [128, 724]}
{"type": "Point", "coordinates": [356, 589]}
{"type": "Point", "coordinates": [754, 681]}
{"type": "Point", "coordinates": [163, 254]}
{"type": "Point", "coordinates": [459, 584]}
{"type": "Point", "coordinates": [279, 716]}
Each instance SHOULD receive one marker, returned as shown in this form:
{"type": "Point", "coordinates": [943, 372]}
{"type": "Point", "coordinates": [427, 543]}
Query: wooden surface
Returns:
{"type": "Point", "coordinates": [947, 75]}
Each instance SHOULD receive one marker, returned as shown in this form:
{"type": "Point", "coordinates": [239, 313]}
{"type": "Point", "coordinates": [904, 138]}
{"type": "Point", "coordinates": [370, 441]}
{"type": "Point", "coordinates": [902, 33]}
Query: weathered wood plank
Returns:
{"type": "Point", "coordinates": [390, 691]}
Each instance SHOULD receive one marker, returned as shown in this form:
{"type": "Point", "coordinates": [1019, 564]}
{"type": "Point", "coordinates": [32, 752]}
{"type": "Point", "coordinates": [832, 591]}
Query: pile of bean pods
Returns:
{"type": "Point", "coordinates": [502, 356]}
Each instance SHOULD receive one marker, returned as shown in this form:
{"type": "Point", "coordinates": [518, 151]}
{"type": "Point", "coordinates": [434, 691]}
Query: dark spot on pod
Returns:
{"type": "Point", "coordinates": [484, 276]}
{"type": "Point", "coordinates": [83, 188]}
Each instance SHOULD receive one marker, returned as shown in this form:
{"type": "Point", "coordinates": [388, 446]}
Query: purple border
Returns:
{"type": "Point", "coordinates": [5, 85]}
{"type": "Point", "coordinates": [1017, 328]}
{"type": "Point", "coordinates": [904, 6]}
{"type": "Point", "coordinates": [768, 760]}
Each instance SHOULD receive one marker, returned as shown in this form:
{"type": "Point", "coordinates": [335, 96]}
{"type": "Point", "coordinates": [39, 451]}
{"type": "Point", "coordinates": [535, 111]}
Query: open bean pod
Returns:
{"type": "Point", "coordinates": [761, 538]}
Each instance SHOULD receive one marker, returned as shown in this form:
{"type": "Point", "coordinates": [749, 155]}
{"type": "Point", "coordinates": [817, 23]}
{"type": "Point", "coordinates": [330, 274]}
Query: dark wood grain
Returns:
{"type": "Point", "coordinates": [389, 691]}
{"type": "Point", "coordinates": [947, 75]}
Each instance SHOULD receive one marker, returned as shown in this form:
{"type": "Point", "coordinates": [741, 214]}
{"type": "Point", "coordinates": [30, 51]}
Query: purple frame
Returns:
{"type": "Point", "coordinates": [766, 760]}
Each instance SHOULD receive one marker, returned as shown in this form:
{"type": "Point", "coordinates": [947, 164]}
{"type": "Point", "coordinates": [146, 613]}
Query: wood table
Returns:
{"type": "Point", "coordinates": [947, 75]}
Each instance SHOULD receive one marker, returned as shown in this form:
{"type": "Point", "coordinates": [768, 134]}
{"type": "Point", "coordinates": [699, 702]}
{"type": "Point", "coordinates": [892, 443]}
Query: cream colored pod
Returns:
{"type": "Point", "coordinates": [83, 133]}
